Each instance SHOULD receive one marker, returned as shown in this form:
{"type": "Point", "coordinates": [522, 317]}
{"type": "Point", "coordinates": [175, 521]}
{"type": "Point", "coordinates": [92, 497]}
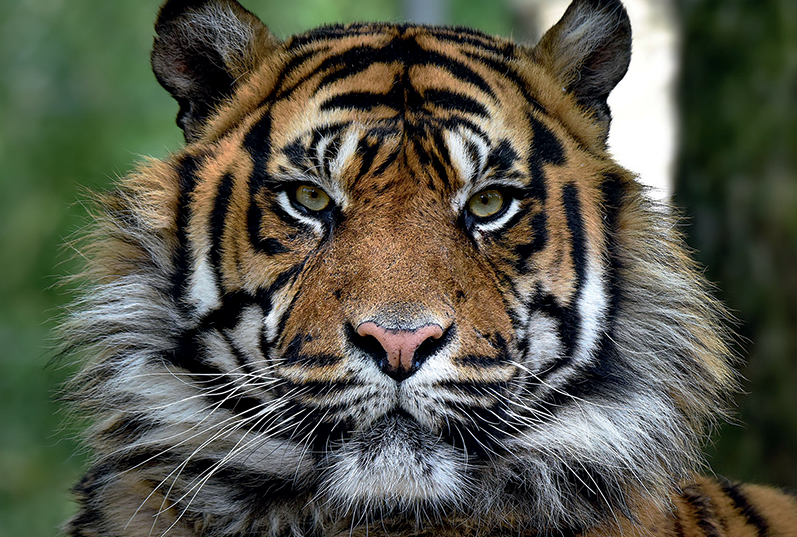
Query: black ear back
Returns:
{"type": "Point", "coordinates": [588, 51]}
{"type": "Point", "coordinates": [202, 49]}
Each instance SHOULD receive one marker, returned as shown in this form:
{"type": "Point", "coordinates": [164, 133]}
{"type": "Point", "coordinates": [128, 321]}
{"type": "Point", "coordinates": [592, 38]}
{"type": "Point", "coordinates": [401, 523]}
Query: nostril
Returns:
{"type": "Point", "coordinates": [402, 351]}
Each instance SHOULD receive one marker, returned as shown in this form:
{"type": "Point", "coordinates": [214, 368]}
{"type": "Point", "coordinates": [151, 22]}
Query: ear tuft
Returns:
{"type": "Point", "coordinates": [588, 51]}
{"type": "Point", "coordinates": [202, 49]}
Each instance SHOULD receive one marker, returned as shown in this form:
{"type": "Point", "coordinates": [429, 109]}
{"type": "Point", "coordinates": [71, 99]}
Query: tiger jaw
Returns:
{"type": "Point", "coordinates": [395, 462]}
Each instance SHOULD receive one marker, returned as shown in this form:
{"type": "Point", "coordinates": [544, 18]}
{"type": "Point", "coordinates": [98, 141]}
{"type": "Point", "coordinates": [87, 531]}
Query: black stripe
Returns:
{"type": "Point", "coordinates": [337, 31]}
{"type": "Point", "coordinates": [545, 149]}
{"type": "Point", "coordinates": [186, 173]}
{"type": "Point", "coordinates": [293, 354]}
{"type": "Point", "coordinates": [128, 429]}
{"type": "Point", "coordinates": [481, 438]}
{"type": "Point", "coordinates": [390, 159]}
{"type": "Point", "coordinates": [455, 102]}
{"type": "Point", "coordinates": [501, 159]}
{"type": "Point", "coordinates": [365, 100]}
{"type": "Point", "coordinates": [703, 509]}
{"type": "Point", "coordinates": [257, 143]}
{"type": "Point", "coordinates": [603, 376]}
{"type": "Point", "coordinates": [213, 383]}
{"type": "Point", "coordinates": [539, 239]}
{"type": "Point", "coordinates": [367, 150]}
{"type": "Point", "coordinates": [741, 503]}
{"type": "Point", "coordinates": [612, 191]}
{"type": "Point", "coordinates": [469, 36]}
{"type": "Point", "coordinates": [405, 51]}
{"type": "Point", "coordinates": [297, 155]}
{"type": "Point", "coordinates": [218, 219]}
{"type": "Point", "coordinates": [504, 70]}
{"type": "Point", "coordinates": [578, 237]}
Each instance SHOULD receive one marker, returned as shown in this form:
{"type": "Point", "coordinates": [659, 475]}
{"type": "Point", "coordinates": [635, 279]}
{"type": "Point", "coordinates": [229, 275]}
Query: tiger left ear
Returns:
{"type": "Point", "coordinates": [202, 50]}
{"type": "Point", "coordinates": [588, 51]}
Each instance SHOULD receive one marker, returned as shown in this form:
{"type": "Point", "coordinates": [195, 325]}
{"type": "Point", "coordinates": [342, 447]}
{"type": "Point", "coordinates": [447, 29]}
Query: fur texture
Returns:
{"type": "Point", "coordinates": [399, 177]}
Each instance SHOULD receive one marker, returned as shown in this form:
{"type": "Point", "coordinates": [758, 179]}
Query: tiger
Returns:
{"type": "Point", "coordinates": [394, 284]}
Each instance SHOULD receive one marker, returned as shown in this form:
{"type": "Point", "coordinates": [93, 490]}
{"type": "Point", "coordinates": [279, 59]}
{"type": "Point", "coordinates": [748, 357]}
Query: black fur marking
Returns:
{"type": "Point", "coordinates": [86, 490]}
{"type": "Point", "coordinates": [405, 51]}
{"type": "Point", "coordinates": [297, 155]}
{"type": "Point", "coordinates": [704, 511]}
{"type": "Point", "coordinates": [257, 143]}
{"type": "Point", "coordinates": [501, 159]}
{"type": "Point", "coordinates": [501, 66]}
{"type": "Point", "coordinates": [477, 39]}
{"type": "Point", "coordinates": [568, 317]}
{"type": "Point", "coordinates": [612, 192]}
{"type": "Point", "coordinates": [186, 171]}
{"type": "Point", "coordinates": [367, 151]}
{"type": "Point", "coordinates": [293, 355]}
{"type": "Point", "coordinates": [128, 429]}
{"type": "Point", "coordinates": [539, 229]}
{"type": "Point", "coordinates": [364, 101]}
{"type": "Point", "coordinates": [591, 484]}
{"type": "Point", "coordinates": [740, 502]}
{"type": "Point", "coordinates": [217, 222]}
{"type": "Point", "coordinates": [440, 170]}
{"type": "Point", "coordinates": [578, 236]}
{"type": "Point", "coordinates": [455, 102]}
{"type": "Point", "coordinates": [481, 437]}
{"type": "Point", "coordinates": [598, 378]}
{"type": "Point", "coordinates": [390, 159]}
{"type": "Point", "coordinates": [545, 149]}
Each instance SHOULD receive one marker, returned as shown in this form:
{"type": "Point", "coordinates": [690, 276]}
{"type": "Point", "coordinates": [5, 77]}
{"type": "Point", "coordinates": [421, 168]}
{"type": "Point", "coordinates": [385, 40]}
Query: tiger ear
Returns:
{"type": "Point", "coordinates": [202, 49]}
{"type": "Point", "coordinates": [588, 51]}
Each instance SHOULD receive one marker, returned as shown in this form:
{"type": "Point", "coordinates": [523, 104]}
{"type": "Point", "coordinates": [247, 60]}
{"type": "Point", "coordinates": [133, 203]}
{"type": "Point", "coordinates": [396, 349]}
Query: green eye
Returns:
{"type": "Point", "coordinates": [312, 197]}
{"type": "Point", "coordinates": [486, 203]}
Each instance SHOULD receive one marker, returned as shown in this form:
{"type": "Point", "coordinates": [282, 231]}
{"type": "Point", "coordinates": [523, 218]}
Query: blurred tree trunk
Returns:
{"type": "Point", "coordinates": [737, 182]}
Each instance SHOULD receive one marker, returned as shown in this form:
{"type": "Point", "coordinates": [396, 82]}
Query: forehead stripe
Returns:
{"type": "Point", "coordinates": [404, 51]}
{"type": "Point", "coordinates": [453, 101]}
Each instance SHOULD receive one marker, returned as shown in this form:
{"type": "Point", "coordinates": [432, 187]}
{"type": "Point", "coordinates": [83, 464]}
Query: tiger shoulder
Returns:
{"type": "Point", "coordinates": [394, 284]}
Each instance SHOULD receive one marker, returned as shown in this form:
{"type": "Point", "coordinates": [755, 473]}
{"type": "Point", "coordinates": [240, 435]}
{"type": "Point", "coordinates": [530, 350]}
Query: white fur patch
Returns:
{"type": "Point", "coordinates": [388, 470]}
{"type": "Point", "coordinates": [203, 288]}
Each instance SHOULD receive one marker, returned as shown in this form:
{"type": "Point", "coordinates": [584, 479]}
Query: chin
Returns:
{"type": "Point", "coordinates": [394, 465]}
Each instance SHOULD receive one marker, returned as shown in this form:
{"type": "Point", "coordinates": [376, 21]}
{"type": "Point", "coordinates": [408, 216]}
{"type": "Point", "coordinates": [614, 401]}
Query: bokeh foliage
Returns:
{"type": "Point", "coordinates": [79, 106]}
{"type": "Point", "coordinates": [737, 180]}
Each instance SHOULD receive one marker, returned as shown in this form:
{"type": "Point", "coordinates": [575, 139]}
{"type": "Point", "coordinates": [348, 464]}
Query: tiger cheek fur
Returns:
{"type": "Point", "coordinates": [394, 284]}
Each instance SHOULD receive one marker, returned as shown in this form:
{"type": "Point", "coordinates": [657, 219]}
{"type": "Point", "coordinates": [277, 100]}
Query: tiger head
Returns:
{"type": "Point", "coordinates": [395, 274]}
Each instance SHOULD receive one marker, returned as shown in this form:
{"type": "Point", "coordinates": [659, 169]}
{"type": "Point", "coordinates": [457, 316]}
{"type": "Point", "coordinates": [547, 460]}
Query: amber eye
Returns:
{"type": "Point", "coordinates": [486, 203]}
{"type": "Point", "coordinates": [312, 197]}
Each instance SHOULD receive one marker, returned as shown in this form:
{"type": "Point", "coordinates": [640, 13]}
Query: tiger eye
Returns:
{"type": "Point", "coordinates": [312, 197]}
{"type": "Point", "coordinates": [486, 203]}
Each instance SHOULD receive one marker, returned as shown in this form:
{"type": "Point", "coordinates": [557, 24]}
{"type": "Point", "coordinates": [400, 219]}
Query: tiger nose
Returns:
{"type": "Point", "coordinates": [401, 347]}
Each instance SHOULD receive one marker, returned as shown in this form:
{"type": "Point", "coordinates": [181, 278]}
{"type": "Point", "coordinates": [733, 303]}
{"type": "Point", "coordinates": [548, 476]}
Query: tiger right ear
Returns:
{"type": "Point", "coordinates": [588, 51]}
{"type": "Point", "coordinates": [202, 50]}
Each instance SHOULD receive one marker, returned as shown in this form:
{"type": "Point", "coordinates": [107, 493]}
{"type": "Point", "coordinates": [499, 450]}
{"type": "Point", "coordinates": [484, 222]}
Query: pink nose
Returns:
{"type": "Point", "coordinates": [400, 345]}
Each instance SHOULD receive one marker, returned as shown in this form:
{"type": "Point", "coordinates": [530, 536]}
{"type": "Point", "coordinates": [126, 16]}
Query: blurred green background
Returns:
{"type": "Point", "coordinates": [78, 106]}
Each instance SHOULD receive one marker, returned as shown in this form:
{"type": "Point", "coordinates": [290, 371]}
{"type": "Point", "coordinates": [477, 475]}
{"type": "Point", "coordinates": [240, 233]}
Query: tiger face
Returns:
{"type": "Point", "coordinates": [393, 275]}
